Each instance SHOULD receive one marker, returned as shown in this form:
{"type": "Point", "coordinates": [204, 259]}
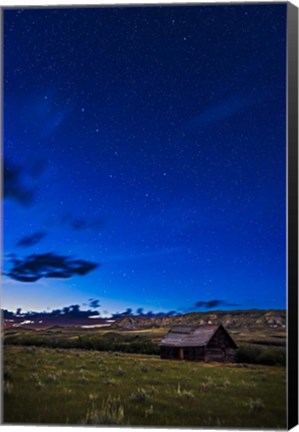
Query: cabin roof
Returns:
{"type": "Point", "coordinates": [188, 336]}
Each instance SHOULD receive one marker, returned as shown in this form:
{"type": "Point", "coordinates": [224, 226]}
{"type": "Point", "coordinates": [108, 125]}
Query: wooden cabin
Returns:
{"type": "Point", "coordinates": [198, 343]}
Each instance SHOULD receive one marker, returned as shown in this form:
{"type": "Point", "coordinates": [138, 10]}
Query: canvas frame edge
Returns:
{"type": "Point", "coordinates": [292, 215]}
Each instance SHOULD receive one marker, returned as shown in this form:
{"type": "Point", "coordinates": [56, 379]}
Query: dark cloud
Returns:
{"type": "Point", "coordinates": [7, 314]}
{"type": "Point", "coordinates": [81, 223]}
{"type": "Point", "coordinates": [14, 185]}
{"type": "Point", "coordinates": [31, 239]}
{"type": "Point", "coordinates": [72, 311]}
{"type": "Point", "coordinates": [211, 304]}
{"type": "Point", "coordinates": [48, 265]}
{"type": "Point", "coordinates": [94, 303]}
{"type": "Point", "coordinates": [19, 181]}
{"type": "Point", "coordinates": [127, 312]}
{"type": "Point", "coordinates": [140, 313]}
{"type": "Point", "coordinates": [151, 314]}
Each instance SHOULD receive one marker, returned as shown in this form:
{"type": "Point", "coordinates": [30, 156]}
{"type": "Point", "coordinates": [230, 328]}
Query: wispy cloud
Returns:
{"type": "Point", "coordinates": [43, 114]}
{"type": "Point", "coordinates": [220, 111]}
{"type": "Point", "coordinates": [81, 223]}
{"type": "Point", "coordinates": [31, 239]}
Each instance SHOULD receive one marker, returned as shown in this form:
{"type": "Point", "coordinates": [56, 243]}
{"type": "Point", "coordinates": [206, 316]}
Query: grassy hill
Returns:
{"type": "Point", "coordinates": [55, 386]}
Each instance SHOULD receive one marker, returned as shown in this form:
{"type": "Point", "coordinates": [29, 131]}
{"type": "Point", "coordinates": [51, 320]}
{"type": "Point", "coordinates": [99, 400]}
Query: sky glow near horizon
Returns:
{"type": "Point", "coordinates": [151, 142]}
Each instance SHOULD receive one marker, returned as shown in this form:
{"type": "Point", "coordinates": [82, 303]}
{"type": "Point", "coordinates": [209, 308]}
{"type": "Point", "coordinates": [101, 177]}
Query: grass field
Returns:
{"type": "Point", "coordinates": [68, 386]}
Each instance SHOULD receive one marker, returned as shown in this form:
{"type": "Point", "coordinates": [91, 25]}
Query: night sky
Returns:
{"type": "Point", "coordinates": [144, 156]}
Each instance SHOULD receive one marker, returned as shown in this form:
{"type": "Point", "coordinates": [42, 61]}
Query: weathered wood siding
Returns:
{"type": "Point", "coordinates": [199, 354]}
{"type": "Point", "coordinates": [230, 354]}
{"type": "Point", "coordinates": [221, 339]}
{"type": "Point", "coordinates": [220, 354]}
{"type": "Point", "coordinates": [194, 353]}
{"type": "Point", "coordinates": [221, 347]}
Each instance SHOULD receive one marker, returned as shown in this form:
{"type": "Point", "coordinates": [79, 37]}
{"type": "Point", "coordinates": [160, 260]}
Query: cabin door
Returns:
{"type": "Point", "coordinates": [181, 353]}
{"type": "Point", "coordinates": [223, 354]}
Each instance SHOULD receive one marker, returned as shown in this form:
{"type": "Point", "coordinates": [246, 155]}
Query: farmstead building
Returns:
{"type": "Point", "coordinates": [198, 343]}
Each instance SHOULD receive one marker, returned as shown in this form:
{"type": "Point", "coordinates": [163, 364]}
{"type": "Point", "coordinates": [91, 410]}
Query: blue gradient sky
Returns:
{"type": "Point", "coordinates": [150, 141]}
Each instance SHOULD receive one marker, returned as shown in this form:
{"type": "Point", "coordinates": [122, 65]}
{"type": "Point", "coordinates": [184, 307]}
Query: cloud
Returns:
{"type": "Point", "coordinates": [141, 313]}
{"type": "Point", "coordinates": [212, 304]}
{"type": "Point", "coordinates": [94, 303]}
{"type": "Point", "coordinates": [151, 314]}
{"type": "Point", "coordinates": [31, 239]}
{"type": "Point", "coordinates": [127, 312]}
{"type": "Point", "coordinates": [220, 112]}
{"type": "Point", "coordinates": [72, 311]}
{"type": "Point", "coordinates": [18, 181]}
{"type": "Point", "coordinates": [43, 114]}
{"type": "Point", "coordinates": [14, 186]}
{"type": "Point", "coordinates": [48, 265]}
{"type": "Point", "coordinates": [81, 223]}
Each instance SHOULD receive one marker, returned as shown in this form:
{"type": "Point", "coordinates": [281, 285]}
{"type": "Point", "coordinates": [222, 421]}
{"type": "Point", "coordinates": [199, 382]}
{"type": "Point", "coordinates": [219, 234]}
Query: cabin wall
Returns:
{"type": "Point", "coordinates": [221, 340]}
{"type": "Point", "coordinates": [198, 353]}
{"type": "Point", "coordinates": [231, 354]}
{"type": "Point", "coordinates": [220, 354]}
{"type": "Point", "coordinates": [180, 353]}
{"type": "Point", "coordinates": [194, 353]}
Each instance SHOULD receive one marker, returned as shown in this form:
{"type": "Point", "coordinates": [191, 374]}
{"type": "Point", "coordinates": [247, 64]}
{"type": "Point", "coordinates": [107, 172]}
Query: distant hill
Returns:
{"type": "Point", "coordinates": [231, 319]}
{"type": "Point", "coordinates": [238, 319]}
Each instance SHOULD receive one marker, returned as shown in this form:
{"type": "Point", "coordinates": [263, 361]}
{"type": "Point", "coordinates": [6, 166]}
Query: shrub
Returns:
{"type": "Point", "coordinates": [204, 387]}
{"type": "Point", "coordinates": [38, 384]}
{"type": "Point", "coordinates": [273, 357]}
{"type": "Point", "coordinates": [52, 377]}
{"type": "Point", "coordinates": [139, 396]}
{"type": "Point", "coordinates": [248, 354]}
{"type": "Point", "coordinates": [226, 383]}
{"type": "Point", "coordinates": [149, 411]}
{"type": "Point", "coordinates": [120, 372]}
{"type": "Point", "coordinates": [255, 405]}
{"type": "Point", "coordinates": [259, 355]}
{"type": "Point", "coordinates": [110, 381]}
{"type": "Point", "coordinates": [153, 390]}
{"type": "Point", "coordinates": [184, 393]}
{"type": "Point", "coordinates": [114, 343]}
{"type": "Point", "coordinates": [83, 379]}
{"type": "Point", "coordinates": [7, 375]}
{"type": "Point", "coordinates": [111, 413]}
{"type": "Point", "coordinates": [92, 396]}
{"type": "Point", "coordinates": [8, 388]}
{"type": "Point", "coordinates": [208, 384]}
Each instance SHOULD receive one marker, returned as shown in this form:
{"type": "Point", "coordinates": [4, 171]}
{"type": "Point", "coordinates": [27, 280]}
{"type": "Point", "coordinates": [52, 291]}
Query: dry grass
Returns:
{"type": "Point", "coordinates": [46, 386]}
